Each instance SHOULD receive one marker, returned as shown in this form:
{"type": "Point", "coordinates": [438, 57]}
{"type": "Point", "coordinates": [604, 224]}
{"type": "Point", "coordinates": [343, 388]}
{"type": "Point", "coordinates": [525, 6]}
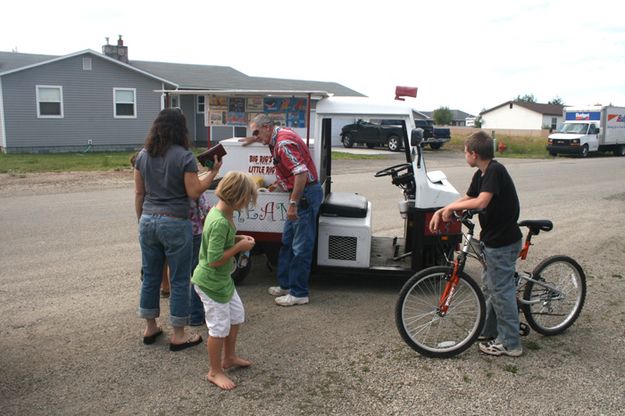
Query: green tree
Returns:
{"type": "Point", "coordinates": [478, 122]}
{"type": "Point", "coordinates": [442, 116]}
{"type": "Point", "coordinates": [528, 98]}
{"type": "Point", "coordinates": [556, 100]}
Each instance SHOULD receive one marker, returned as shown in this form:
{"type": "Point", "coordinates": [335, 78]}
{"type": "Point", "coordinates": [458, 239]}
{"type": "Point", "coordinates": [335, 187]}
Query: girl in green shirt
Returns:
{"type": "Point", "coordinates": [211, 279]}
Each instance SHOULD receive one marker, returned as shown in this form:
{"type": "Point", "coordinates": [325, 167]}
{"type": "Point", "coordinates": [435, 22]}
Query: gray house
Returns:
{"type": "Point", "coordinates": [103, 102]}
{"type": "Point", "coordinates": [458, 117]}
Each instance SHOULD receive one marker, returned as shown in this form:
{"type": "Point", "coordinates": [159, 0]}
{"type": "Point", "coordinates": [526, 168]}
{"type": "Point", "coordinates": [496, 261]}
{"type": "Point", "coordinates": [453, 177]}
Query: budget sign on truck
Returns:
{"type": "Point", "coordinates": [589, 129]}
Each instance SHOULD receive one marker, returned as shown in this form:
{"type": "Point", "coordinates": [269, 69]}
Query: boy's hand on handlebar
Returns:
{"type": "Point", "coordinates": [435, 221]}
{"type": "Point", "coordinates": [443, 215]}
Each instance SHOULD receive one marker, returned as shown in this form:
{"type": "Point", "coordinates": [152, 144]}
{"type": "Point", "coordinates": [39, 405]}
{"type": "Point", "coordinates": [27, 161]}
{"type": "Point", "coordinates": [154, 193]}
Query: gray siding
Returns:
{"type": "Point", "coordinates": [87, 106]}
{"type": "Point", "coordinates": [2, 143]}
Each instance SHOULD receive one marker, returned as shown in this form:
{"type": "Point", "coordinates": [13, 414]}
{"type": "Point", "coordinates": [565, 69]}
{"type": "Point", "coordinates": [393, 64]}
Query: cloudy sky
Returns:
{"type": "Point", "coordinates": [467, 55]}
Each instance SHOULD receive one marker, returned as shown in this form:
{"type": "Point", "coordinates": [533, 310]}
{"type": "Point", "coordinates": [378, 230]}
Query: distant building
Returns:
{"type": "Point", "coordinates": [458, 118]}
{"type": "Point", "coordinates": [103, 101]}
{"type": "Point", "coordinates": [522, 115]}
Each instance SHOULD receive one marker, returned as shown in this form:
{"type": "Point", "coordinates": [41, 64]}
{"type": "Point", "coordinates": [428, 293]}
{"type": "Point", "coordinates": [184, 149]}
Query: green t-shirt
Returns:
{"type": "Point", "coordinates": [217, 237]}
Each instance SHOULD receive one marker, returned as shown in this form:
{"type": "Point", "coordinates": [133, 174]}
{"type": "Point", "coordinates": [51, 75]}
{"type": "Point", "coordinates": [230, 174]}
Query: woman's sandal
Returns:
{"type": "Point", "coordinates": [188, 344]}
{"type": "Point", "coordinates": [150, 339]}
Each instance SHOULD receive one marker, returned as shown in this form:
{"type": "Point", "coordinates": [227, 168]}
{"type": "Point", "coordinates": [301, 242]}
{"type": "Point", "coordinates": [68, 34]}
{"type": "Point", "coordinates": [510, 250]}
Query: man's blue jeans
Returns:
{"type": "Point", "coordinates": [298, 243]}
{"type": "Point", "coordinates": [163, 238]}
{"type": "Point", "coordinates": [502, 312]}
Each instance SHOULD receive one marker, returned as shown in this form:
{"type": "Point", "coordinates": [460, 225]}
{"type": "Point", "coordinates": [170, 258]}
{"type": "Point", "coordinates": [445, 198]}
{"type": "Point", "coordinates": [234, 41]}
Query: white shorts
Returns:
{"type": "Point", "coordinates": [220, 316]}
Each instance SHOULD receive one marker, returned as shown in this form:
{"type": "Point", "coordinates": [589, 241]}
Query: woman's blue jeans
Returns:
{"type": "Point", "coordinates": [502, 311]}
{"type": "Point", "coordinates": [163, 238]}
{"type": "Point", "coordinates": [298, 243]}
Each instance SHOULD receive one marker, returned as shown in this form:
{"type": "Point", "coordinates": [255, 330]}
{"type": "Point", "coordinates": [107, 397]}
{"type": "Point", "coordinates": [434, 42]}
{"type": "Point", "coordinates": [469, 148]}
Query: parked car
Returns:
{"type": "Point", "coordinates": [373, 134]}
{"type": "Point", "coordinates": [434, 136]}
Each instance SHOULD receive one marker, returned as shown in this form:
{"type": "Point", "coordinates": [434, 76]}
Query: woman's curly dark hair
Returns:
{"type": "Point", "coordinates": [169, 128]}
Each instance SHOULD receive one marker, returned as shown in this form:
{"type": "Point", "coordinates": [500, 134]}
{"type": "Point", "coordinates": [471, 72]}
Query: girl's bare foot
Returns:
{"type": "Point", "coordinates": [236, 361]}
{"type": "Point", "coordinates": [220, 380]}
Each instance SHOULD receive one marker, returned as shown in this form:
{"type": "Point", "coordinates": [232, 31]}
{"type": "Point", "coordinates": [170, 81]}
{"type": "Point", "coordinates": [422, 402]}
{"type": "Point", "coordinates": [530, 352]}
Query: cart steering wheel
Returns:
{"type": "Point", "coordinates": [392, 170]}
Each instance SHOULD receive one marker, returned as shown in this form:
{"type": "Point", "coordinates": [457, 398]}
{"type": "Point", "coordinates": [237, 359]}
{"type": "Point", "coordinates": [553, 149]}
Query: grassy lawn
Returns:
{"type": "Point", "coordinates": [524, 147]}
{"type": "Point", "coordinates": [516, 146]}
{"type": "Point", "coordinates": [65, 162]}
{"type": "Point", "coordinates": [60, 162]}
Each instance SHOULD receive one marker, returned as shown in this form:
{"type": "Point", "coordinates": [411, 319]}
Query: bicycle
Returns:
{"type": "Point", "coordinates": [441, 310]}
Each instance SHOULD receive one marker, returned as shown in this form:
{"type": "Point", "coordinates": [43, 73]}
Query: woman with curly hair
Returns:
{"type": "Point", "coordinates": [166, 176]}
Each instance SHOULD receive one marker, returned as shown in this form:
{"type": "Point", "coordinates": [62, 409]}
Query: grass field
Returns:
{"type": "Point", "coordinates": [516, 146]}
{"type": "Point", "coordinates": [530, 147]}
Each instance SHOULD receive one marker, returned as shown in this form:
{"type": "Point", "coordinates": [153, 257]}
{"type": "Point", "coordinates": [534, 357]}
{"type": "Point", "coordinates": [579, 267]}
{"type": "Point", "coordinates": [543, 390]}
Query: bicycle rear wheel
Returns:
{"type": "Point", "coordinates": [427, 331]}
{"type": "Point", "coordinates": [555, 307]}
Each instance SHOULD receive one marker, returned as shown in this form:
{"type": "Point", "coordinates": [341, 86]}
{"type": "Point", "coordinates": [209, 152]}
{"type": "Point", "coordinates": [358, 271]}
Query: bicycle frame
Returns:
{"type": "Point", "coordinates": [469, 249]}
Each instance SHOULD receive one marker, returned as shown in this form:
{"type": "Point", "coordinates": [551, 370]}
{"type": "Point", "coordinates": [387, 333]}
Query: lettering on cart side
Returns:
{"type": "Point", "coordinates": [270, 212]}
{"type": "Point", "coordinates": [261, 165]}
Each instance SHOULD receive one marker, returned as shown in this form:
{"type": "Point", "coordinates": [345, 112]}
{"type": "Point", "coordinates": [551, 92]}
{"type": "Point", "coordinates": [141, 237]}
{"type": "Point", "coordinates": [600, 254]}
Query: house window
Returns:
{"type": "Point", "coordinates": [554, 122]}
{"type": "Point", "coordinates": [200, 104]}
{"type": "Point", "coordinates": [86, 64]}
{"type": "Point", "coordinates": [125, 102]}
{"type": "Point", "coordinates": [49, 101]}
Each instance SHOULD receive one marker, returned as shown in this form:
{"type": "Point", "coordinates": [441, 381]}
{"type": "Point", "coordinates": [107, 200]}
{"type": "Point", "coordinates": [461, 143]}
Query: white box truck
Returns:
{"type": "Point", "coordinates": [589, 129]}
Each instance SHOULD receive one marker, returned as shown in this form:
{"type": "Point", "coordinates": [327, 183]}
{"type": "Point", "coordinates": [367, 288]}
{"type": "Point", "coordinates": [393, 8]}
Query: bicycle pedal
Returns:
{"type": "Point", "coordinates": [524, 329]}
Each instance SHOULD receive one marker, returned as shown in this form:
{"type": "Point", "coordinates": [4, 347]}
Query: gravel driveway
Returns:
{"type": "Point", "coordinates": [71, 341]}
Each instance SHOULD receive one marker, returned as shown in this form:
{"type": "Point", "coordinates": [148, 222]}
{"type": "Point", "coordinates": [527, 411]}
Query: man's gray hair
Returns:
{"type": "Point", "coordinates": [262, 119]}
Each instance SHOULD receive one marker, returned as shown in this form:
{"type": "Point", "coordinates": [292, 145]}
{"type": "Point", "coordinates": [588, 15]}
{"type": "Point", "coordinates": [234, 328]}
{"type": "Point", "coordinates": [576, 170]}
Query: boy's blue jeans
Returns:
{"type": "Point", "coordinates": [298, 243]}
{"type": "Point", "coordinates": [163, 238]}
{"type": "Point", "coordinates": [502, 312]}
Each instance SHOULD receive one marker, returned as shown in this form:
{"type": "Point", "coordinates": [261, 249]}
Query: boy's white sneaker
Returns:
{"type": "Point", "coordinates": [290, 300]}
{"type": "Point", "coordinates": [278, 291]}
{"type": "Point", "coordinates": [496, 348]}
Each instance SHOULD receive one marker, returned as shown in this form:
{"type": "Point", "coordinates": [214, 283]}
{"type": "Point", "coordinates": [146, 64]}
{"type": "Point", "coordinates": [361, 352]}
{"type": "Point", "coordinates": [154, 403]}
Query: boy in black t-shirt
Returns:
{"type": "Point", "coordinates": [493, 191]}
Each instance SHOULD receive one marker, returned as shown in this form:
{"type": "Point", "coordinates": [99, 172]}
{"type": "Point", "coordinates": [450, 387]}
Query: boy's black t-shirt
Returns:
{"type": "Point", "coordinates": [499, 222]}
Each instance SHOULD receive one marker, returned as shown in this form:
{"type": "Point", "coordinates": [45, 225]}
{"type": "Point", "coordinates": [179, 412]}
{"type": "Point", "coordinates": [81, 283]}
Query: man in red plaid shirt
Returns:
{"type": "Point", "coordinates": [296, 173]}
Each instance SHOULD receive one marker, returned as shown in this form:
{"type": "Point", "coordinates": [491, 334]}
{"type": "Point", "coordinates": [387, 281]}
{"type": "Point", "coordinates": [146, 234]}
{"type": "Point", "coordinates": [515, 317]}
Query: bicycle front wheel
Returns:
{"type": "Point", "coordinates": [554, 302]}
{"type": "Point", "coordinates": [428, 331]}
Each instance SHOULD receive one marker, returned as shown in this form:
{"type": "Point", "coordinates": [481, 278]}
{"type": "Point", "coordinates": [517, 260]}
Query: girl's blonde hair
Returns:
{"type": "Point", "coordinates": [237, 189]}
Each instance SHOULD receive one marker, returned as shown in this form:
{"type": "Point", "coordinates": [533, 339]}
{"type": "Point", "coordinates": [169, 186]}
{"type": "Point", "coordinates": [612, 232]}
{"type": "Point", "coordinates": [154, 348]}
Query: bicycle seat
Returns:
{"type": "Point", "coordinates": [537, 225]}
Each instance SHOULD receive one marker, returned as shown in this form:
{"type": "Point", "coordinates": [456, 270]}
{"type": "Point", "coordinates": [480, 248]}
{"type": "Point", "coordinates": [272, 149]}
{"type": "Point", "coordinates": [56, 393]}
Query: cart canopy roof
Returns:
{"type": "Point", "coordinates": [363, 106]}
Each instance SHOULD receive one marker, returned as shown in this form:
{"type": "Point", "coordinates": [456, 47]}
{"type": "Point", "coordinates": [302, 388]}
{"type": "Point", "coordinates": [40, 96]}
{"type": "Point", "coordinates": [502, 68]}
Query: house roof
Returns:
{"type": "Point", "coordinates": [185, 76]}
{"type": "Point", "coordinates": [39, 60]}
{"type": "Point", "coordinates": [13, 60]}
{"type": "Point", "coordinates": [455, 114]}
{"type": "Point", "coordinates": [190, 76]}
{"type": "Point", "coordinates": [545, 109]}
{"type": "Point", "coordinates": [200, 77]}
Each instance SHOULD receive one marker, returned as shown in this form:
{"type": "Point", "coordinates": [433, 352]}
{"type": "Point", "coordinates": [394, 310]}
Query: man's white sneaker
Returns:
{"type": "Point", "coordinates": [278, 291]}
{"type": "Point", "coordinates": [290, 300]}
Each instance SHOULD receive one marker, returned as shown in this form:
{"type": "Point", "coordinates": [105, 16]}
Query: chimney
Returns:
{"type": "Point", "coordinates": [119, 51]}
